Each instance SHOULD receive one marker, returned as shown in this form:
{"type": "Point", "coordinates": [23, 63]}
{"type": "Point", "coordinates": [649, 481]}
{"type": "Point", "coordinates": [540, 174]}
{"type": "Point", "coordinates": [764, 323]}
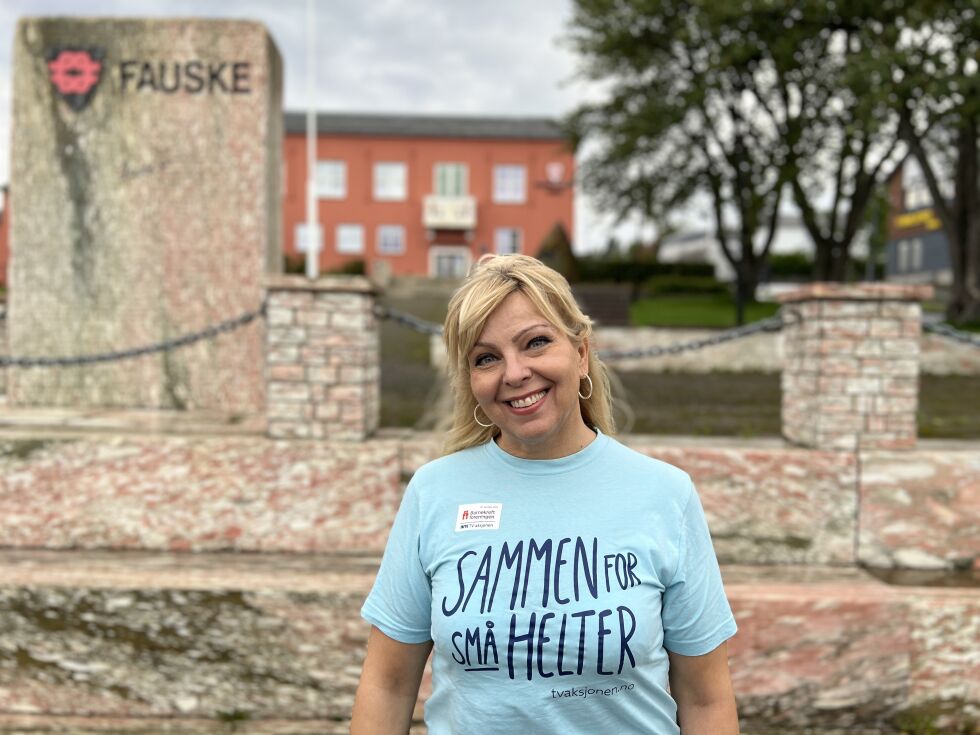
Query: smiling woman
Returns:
{"type": "Point", "coordinates": [540, 550]}
{"type": "Point", "coordinates": [514, 331]}
{"type": "Point", "coordinates": [525, 376]}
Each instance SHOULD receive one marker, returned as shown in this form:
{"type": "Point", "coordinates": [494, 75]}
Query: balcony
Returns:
{"type": "Point", "coordinates": [449, 213]}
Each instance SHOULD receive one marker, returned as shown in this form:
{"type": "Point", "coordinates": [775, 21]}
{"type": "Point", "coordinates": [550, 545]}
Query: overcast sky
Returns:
{"type": "Point", "coordinates": [411, 56]}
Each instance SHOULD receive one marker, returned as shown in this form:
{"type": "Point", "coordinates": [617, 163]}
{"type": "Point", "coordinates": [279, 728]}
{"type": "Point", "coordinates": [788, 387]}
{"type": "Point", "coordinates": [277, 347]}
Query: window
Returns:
{"type": "Point", "coordinates": [391, 240]}
{"type": "Point", "coordinates": [507, 240]}
{"type": "Point", "coordinates": [390, 182]}
{"type": "Point", "coordinates": [903, 255]}
{"type": "Point", "coordinates": [350, 239]}
{"type": "Point", "coordinates": [302, 241]}
{"type": "Point", "coordinates": [331, 179]}
{"type": "Point", "coordinates": [916, 256]}
{"type": "Point", "coordinates": [509, 184]}
{"type": "Point", "coordinates": [450, 179]}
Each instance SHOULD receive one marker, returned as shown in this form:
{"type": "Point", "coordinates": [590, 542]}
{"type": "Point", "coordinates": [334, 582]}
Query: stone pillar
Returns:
{"type": "Point", "coordinates": [146, 156]}
{"type": "Point", "coordinates": [323, 358]}
{"type": "Point", "coordinates": [851, 374]}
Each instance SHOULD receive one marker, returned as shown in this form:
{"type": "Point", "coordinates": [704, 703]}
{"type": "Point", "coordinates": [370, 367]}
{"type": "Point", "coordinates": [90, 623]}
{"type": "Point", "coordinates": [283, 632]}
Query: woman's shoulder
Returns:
{"type": "Point", "coordinates": [646, 479]}
{"type": "Point", "coordinates": [449, 466]}
{"type": "Point", "coordinates": [632, 460]}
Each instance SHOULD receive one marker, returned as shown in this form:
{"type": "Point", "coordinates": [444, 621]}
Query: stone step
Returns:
{"type": "Point", "coordinates": [127, 641]}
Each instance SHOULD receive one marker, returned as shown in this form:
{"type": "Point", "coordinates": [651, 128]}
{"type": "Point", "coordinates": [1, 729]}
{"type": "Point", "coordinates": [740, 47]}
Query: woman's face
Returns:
{"type": "Point", "coordinates": [525, 375]}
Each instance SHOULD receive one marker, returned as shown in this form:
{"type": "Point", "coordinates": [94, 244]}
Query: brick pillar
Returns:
{"type": "Point", "coordinates": [851, 373]}
{"type": "Point", "coordinates": [323, 370]}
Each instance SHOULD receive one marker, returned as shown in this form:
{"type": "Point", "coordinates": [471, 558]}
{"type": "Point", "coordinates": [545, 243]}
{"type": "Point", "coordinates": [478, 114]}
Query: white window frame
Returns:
{"type": "Point", "coordinates": [917, 255]}
{"type": "Point", "coordinates": [904, 247]}
{"type": "Point", "coordinates": [509, 183]}
{"type": "Point", "coordinates": [343, 243]}
{"type": "Point", "coordinates": [400, 193]}
{"type": "Point", "coordinates": [328, 184]}
{"type": "Point", "coordinates": [390, 229]}
{"type": "Point", "coordinates": [464, 177]}
{"type": "Point", "coordinates": [498, 235]}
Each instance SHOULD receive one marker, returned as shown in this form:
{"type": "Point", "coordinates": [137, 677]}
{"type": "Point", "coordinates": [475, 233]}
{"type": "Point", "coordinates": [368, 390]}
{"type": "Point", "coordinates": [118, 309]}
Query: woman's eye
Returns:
{"type": "Point", "coordinates": [482, 360]}
{"type": "Point", "coordinates": [539, 341]}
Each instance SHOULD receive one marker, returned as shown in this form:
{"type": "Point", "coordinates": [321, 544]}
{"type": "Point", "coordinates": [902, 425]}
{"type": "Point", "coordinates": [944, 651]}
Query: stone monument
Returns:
{"type": "Point", "coordinates": [145, 186]}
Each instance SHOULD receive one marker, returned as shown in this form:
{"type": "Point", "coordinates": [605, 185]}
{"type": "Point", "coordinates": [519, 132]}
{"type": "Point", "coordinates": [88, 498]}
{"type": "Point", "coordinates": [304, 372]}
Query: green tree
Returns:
{"type": "Point", "coordinates": [677, 121]}
{"type": "Point", "coordinates": [810, 72]}
{"type": "Point", "coordinates": [929, 53]}
{"type": "Point", "coordinates": [738, 101]}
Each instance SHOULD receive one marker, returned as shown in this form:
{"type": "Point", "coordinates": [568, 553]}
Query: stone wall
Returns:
{"type": "Point", "coordinates": [323, 371]}
{"type": "Point", "coordinates": [921, 510]}
{"type": "Point", "coordinates": [145, 209]}
{"type": "Point", "coordinates": [134, 642]}
{"type": "Point", "coordinates": [197, 494]}
{"type": "Point", "coordinates": [766, 503]}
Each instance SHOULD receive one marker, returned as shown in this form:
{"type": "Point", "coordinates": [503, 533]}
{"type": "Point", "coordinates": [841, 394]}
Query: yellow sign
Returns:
{"type": "Point", "coordinates": [922, 218]}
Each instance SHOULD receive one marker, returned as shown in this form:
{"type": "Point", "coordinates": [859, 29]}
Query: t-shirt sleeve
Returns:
{"type": "Point", "coordinates": [400, 601]}
{"type": "Point", "coordinates": [696, 615]}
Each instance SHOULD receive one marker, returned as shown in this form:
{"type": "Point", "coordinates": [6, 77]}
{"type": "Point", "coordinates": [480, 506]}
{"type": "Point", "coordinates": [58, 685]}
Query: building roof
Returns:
{"type": "Point", "coordinates": [428, 126]}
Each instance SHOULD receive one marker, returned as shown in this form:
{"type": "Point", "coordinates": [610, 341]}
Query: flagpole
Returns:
{"type": "Point", "coordinates": [312, 241]}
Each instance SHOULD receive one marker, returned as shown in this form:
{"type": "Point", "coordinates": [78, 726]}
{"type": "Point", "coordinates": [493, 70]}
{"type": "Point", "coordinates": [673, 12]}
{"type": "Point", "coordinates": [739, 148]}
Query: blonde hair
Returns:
{"type": "Point", "coordinates": [492, 280]}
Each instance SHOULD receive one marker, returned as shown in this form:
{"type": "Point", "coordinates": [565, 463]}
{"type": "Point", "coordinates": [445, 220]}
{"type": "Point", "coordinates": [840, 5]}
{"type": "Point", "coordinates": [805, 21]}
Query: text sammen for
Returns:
{"type": "Point", "coordinates": [568, 575]}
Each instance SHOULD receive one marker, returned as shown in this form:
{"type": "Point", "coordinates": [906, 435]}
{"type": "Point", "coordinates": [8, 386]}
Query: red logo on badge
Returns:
{"type": "Point", "coordinates": [75, 73]}
{"type": "Point", "coordinates": [466, 514]}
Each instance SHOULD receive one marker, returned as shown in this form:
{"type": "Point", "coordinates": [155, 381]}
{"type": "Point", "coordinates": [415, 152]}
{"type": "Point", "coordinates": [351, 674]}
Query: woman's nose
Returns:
{"type": "Point", "coordinates": [516, 371]}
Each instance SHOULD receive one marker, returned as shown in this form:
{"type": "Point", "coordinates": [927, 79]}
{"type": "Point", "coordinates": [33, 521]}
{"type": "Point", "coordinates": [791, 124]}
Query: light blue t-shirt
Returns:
{"type": "Point", "coordinates": [552, 589]}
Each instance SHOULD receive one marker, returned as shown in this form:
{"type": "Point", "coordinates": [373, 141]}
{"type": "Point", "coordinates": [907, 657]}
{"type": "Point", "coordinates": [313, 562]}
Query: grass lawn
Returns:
{"type": "Point", "coordinates": [695, 311]}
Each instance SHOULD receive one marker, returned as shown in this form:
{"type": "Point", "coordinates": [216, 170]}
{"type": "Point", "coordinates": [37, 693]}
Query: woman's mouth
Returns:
{"type": "Point", "coordinates": [527, 401]}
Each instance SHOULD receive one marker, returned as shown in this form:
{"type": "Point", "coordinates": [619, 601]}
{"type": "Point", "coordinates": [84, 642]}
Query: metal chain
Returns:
{"type": "Point", "coordinates": [772, 324]}
{"type": "Point", "coordinates": [949, 332]}
{"type": "Point", "coordinates": [407, 320]}
{"type": "Point", "coordinates": [170, 344]}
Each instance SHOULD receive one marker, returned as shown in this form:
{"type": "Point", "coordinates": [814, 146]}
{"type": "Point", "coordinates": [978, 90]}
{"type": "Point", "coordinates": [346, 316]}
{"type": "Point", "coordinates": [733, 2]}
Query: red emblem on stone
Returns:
{"type": "Point", "coordinates": [75, 73]}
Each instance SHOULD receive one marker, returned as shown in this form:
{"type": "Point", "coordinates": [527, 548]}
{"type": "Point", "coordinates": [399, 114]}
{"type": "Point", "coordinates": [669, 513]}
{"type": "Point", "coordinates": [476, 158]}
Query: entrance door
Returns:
{"type": "Point", "coordinates": [449, 261]}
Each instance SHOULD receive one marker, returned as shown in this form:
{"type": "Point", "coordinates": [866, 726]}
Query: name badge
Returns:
{"type": "Point", "coordinates": [478, 517]}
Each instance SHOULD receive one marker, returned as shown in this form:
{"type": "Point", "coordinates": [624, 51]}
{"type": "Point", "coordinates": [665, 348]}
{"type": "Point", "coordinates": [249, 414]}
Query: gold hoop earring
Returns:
{"type": "Point", "coordinates": [485, 426]}
{"type": "Point", "coordinates": [585, 398]}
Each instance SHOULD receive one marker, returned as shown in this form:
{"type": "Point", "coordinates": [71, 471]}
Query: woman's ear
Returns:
{"type": "Point", "coordinates": [583, 356]}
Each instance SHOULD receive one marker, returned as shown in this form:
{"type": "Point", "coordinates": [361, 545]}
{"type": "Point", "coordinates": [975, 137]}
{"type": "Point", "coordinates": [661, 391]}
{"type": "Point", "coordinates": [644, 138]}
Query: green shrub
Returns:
{"type": "Point", "coordinates": [294, 263]}
{"type": "Point", "coordinates": [350, 268]}
{"type": "Point", "coordinates": [674, 284]}
{"type": "Point", "coordinates": [791, 265]}
{"type": "Point", "coordinates": [637, 271]}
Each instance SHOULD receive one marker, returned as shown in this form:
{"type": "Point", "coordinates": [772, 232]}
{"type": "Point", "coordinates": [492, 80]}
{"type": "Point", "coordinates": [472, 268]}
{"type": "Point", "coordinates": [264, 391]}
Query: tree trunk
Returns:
{"type": "Point", "coordinates": [830, 261]}
{"type": "Point", "coordinates": [960, 218]}
{"type": "Point", "coordinates": [968, 213]}
{"type": "Point", "coordinates": [964, 303]}
{"type": "Point", "coordinates": [746, 282]}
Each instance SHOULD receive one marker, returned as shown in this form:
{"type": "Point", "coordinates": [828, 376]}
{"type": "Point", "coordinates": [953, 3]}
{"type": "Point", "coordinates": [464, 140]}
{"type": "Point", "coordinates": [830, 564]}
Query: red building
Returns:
{"type": "Point", "coordinates": [425, 195]}
{"type": "Point", "coordinates": [420, 195]}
